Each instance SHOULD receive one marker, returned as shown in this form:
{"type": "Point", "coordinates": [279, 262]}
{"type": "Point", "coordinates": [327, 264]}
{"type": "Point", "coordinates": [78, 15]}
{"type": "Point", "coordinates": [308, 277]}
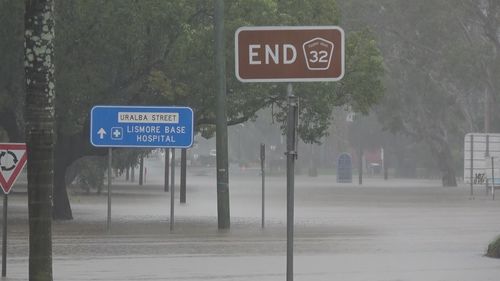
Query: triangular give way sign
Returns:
{"type": "Point", "coordinates": [13, 157]}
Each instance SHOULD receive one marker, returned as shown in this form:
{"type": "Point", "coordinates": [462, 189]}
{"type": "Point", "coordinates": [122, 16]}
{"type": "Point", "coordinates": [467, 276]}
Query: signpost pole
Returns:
{"type": "Point", "coordinates": [167, 166]}
{"type": "Point", "coordinates": [251, 65]}
{"type": "Point", "coordinates": [290, 178]}
{"type": "Point", "coordinates": [182, 196]}
{"type": "Point", "coordinates": [486, 155]}
{"type": "Point", "coordinates": [4, 236]}
{"type": "Point", "coordinates": [141, 126]}
{"type": "Point", "coordinates": [493, 177]}
{"type": "Point", "coordinates": [172, 190]}
{"type": "Point", "coordinates": [17, 153]}
{"type": "Point", "coordinates": [262, 167]}
{"type": "Point", "coordinates": [108, 224]}
{"type": "Point", "coordinates": [360, 163]}
{"type": "Point", "coordinates": [472, 166]}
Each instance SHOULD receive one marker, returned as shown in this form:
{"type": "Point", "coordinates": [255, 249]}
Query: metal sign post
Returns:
{"type": "Point", "coordinates": [172, 190]}
{"type": "Point", "coordinates": [167, 166]}
{"type": "Point", "coordinates": [110, 159]}
{"type": "Point", "coordinates": [290, 54]}
{"type": "Point", "coordinates": [291, 155]}
{"type": "Point", "coordinates": [140, 126]}
{"type": "Point", "coordinates": [471, 166]}
{"type": "Point", "coordinates": [262, 169]}
{"type": "Point", "coordinates": [493, 176]}
{"type": "Point", "coordinates": [4, 236]}
{"type": "Point", "coordinates": [13, 158]}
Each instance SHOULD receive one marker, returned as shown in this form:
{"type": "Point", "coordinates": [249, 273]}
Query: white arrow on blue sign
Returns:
{"type": "Point", "coordinates": [141, 126]}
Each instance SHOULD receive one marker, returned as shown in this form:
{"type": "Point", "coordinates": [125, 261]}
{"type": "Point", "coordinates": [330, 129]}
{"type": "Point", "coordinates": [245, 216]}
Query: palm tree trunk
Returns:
{"type": "Point", "coordinates": [39, 115]}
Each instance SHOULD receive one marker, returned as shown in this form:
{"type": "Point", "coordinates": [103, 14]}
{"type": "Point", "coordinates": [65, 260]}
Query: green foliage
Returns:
{"type": "Point", "coordinates": [439, 62]}
{"type": "Point", "coordinates": [126, 158]}
{"type": "Point", "coordinates": [106, 51]}
{"type": "Point", "coordinates": [12, 91]}
{"type": "Point", "coordinates": [365, 71]}
{"type": "Point", "coordinates": [90, 172]}
{"type": "Point", "coordinates": [494, 248]}
{"type": "Point", "coordinates": [299, 12]}
{"type": "Point", "coordinates": [360, 89]}
{"type": "Point", "coordinates": [161, 52]}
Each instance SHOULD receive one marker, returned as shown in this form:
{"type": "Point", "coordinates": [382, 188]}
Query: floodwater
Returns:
{"type": "Point", "coordinates": [396, 230]}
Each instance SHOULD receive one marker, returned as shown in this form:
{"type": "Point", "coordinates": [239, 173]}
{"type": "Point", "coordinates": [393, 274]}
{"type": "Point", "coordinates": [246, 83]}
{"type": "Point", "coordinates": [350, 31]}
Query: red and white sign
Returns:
{"type": "Point", "coordinates": [289, 53]}
{"type": "Point", "coordinates": [13, 158]}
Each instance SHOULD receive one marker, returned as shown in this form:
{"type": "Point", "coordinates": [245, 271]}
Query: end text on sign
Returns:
{"type": "Point", "coordinates": [272, 53]}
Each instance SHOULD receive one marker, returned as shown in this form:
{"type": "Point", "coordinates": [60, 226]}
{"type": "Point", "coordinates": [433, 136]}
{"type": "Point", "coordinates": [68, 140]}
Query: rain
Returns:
{"type": "Point", "coordinates": [250, 140]}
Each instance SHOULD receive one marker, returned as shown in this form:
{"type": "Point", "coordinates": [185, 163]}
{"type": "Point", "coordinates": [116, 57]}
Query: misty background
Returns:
{"type": "Point", "coordinates": [420, 75]}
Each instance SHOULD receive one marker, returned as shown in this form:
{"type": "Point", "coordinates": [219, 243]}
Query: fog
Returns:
{"type": "Point", "coordinates": [164, 139]}
{"type": "Point", "coordinates": [381, 230]}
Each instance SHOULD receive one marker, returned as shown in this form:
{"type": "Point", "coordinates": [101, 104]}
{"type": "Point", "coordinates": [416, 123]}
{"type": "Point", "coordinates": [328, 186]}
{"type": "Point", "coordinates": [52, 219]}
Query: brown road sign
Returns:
{"type": "Point", "coordinates": [289, 53]}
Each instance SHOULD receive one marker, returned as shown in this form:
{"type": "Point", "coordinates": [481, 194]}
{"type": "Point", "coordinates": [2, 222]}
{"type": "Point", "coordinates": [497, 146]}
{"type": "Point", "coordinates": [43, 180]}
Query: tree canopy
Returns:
{"type": "Point", "coordinates": [441, 59]}
{"type": "Point", "coordinates": [161, 52]}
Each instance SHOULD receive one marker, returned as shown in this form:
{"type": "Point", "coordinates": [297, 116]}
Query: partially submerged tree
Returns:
{"type": "Point", "coordinates": [40, 97]}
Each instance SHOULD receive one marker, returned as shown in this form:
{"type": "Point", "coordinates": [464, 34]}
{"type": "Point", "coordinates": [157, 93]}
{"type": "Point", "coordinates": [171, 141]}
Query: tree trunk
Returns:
{"type": "Point", "coordinates": [40, 96]}
{"type": "Point", "coordinates": [141, 170]}
{"type": "Point", "coordinates": [386, 169]}
{"type": "Point", "coordinates": [360, 165]}
{"type": "Point", "coordinates": [313, 169]}
{"type": "Point", "coordinates": [442, 151]}
{"type": "Point", "coordinates": [449, 178]}
{"type": "Point", "coordinates": [63, 159]}
{"type": "Point", "coordinates": [8, 121]}
{"type": "Point", "coordinates": [166, 181]}
{"type": "Point", "coordinates": [447, 169]}
{"type": "Point", "coordinates": [69, 148]}
{"type": "Point", "coordinates": [62, 208]}
{"type": "Point", "coordinates": [132, 174]}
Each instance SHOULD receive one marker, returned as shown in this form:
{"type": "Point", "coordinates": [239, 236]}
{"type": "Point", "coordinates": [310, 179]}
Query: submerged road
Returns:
{"type": "Point", "coordinates": [396, 230]}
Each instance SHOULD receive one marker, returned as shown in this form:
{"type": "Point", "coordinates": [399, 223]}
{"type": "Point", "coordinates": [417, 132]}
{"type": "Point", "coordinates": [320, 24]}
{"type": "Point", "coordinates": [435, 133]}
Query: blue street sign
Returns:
{"type": "Point", "coordinates": [141, 126]}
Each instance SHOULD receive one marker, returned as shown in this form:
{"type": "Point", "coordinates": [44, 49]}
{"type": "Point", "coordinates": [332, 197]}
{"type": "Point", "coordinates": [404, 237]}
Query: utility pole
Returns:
{"type": "Point", "coordinates": [221, 120]}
